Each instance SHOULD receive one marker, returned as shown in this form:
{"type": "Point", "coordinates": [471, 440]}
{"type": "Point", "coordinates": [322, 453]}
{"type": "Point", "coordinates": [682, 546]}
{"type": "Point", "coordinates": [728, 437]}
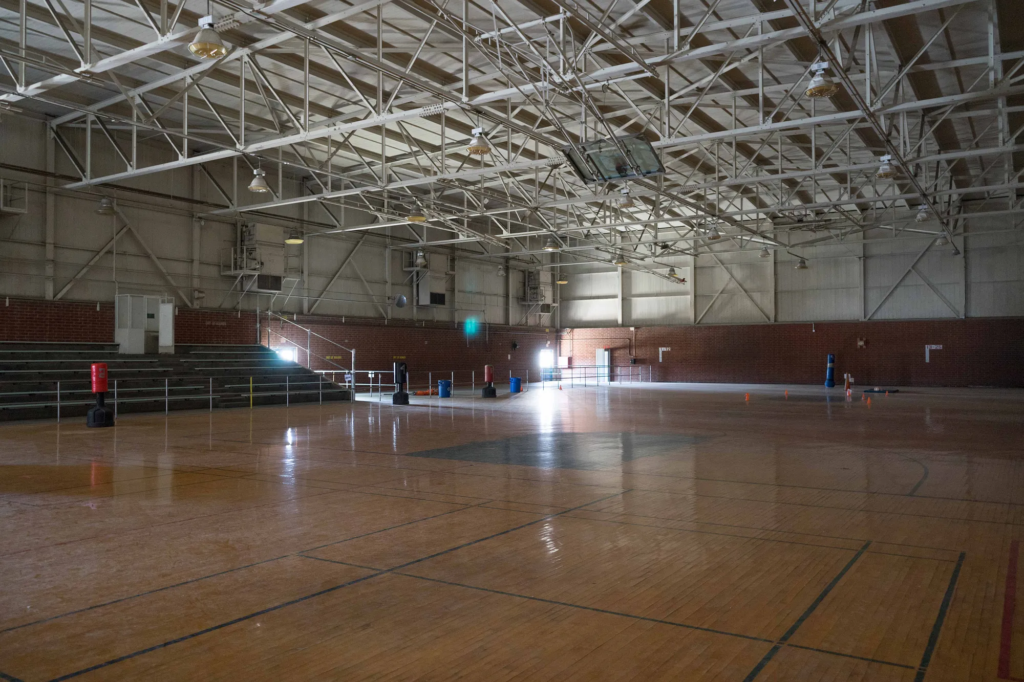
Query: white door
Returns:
{"type": "Point", "coordinates": [602, 360]}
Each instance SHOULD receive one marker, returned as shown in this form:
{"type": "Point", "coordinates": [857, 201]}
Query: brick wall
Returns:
{"type": "Point", "coordinates": [429, 347]}
{"type": "Point", "coordinates": [212, 326]}
{"type": "Point", "coordinates": [975, 352]}
{"type": "Point", "coordinates": [22, 320]}
{"type": "Point", "coordinates": [29, 320]}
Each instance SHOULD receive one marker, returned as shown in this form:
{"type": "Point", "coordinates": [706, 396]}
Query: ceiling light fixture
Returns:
{"type": "Point", "coordinates": [207, 43]}
{"type": "Point", "coordinates": [672, 273]}
{"type": "Point", "coordinates": [942, 241]}
{"type": "Point", "coordinates": [550, 244]}
{"type": "Point", "coordinates": [801, 264]}
{"type": "Point", "coordinates": [922, 213]}
{"type": "Point", "coordinates": [821, 85]}
{"type": "Point", "coordinates": [421, 259]}
{"type": "Point", "coordinates": [765, 253]}
{"type": "Point", "coordinates": [106, 207]}
{"type": "Point", "coordinates": [562, 279]}
{"type": "Point", "coordinates": [294, 237]}
{"type": "Point", "coordinates": [417, 215]}
{"type": "Point", "coordinates": [713, 234]}
{"type": "Point", "coordinates": [886, 170]}
{"type": "Point", "coordinates": [478, 144]}
{"type": "Point", "coordinates": [501, 271]}
{"type": "Point", "coordinates": [259, 181]}
{"type": "Point", "coordinates": [620, 261]}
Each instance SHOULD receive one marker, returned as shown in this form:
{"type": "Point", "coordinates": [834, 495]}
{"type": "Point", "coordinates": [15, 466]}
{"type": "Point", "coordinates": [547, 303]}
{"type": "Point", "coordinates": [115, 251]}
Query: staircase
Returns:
{"type": "Point", "coordinates": [44, 380]}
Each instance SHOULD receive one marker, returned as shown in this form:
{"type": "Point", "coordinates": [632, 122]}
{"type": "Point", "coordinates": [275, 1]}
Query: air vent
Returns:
{"type": "Point", "coordinates": [436, 298]}
{"type": "Point", "coordinates": [268, 283]}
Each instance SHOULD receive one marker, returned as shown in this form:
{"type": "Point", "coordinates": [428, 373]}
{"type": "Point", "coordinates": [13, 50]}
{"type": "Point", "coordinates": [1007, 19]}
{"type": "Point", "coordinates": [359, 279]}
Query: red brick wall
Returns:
{"type": "Point", "coordinates": [212, 326]}
{"type": "Point", "coordinates": [976, 352]}
{"type": "Point", "coordinates": [433, 347]}
{"type": "Point", "coordinates": [29, 320]}
{"type": "Point", "coordinates": [22, 320]}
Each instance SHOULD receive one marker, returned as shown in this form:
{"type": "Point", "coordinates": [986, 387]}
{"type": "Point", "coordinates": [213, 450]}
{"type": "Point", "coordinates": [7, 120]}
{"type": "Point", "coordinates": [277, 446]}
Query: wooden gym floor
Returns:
{"type": "Point", "coordinates": [645, 533]}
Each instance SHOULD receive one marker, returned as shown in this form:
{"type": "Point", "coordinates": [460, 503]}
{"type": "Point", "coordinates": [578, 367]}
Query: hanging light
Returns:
{"type": "Point", "coordinates": [922, 213]}
{"type": "Point", "coordinates": [713, 234]}
{"type": "Point", "coordinates": [550, 244]}
{"type": "Point", "coordinates": [821, 85]}
{"type": "Point", "coordinates": [478, 144]}
{"type": "Point", "coordinates": [765, 253]}
{"type": "Point", "coordinates": [501, 271]}
{"type": "Point", "coordinates": [207, 43]}
{"type": "Point", "coordinates": [294, 237]}
{"type": "Point", "coordinates": [421, 259]}
{"type": "Point", "coordinates": [886, 169]}
{"type": "Point", "coordinates": [801, 264]}
{"type": "Point", "coordinates": [417, 215]}
{"type": "Point", "coordinates": [562, 279]}
{"type": "Point", "coordinates": [620, 261]}
{"type": "Point", "coordinates": [942, 241]}
{"type": "Point", "coordinates": [259, 181]}
{"type": "Point", "coordinates": [106, 207]}
{"type": "Point", "coordinates": [672, 273]}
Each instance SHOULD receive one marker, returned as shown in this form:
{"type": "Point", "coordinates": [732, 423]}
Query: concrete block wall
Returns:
{"type": "Point", "coordinates": [975, 352]}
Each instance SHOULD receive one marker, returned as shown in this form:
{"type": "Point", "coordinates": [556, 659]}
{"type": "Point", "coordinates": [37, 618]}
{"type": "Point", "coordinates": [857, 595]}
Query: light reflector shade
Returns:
{"type": "Point", "coordinates": [207, 43]}
{"type": "Point", "coordinates": [106, 206]}
{"type": "Point", "coordinates": [259, 181]}
{"type": "Point", "coordinates": [294, 237]}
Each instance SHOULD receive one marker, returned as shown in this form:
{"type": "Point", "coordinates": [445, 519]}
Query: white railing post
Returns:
{"type": "Point", "coordinates": [58, 402]}
{"type": "Point", "coordinates": [115, 398]}
{"type": "Point", "coordinates": [211, 394]}
{"type": "Point", "coordinates": [167, 396]}
{"type": "Point", "coordinates": [287, 393]}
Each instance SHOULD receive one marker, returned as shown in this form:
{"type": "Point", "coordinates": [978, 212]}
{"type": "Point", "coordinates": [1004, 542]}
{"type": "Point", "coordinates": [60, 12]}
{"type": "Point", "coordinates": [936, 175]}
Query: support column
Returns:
{"type": "Point", "coordinates": [50, 210]}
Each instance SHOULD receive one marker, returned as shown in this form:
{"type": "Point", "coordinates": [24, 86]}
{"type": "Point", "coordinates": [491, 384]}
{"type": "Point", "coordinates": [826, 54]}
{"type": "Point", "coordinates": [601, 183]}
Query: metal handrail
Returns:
{"type": "Point", "coordinates": [309, 334]}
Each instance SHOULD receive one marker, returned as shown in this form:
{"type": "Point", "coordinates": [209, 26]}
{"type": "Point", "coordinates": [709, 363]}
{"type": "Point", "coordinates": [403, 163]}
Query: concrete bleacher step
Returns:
{"type": "Point", "coordinates": [194, 377]}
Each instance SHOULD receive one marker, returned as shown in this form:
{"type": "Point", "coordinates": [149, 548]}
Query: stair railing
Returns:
{"type": "Point", "coordinates": [309, 343]}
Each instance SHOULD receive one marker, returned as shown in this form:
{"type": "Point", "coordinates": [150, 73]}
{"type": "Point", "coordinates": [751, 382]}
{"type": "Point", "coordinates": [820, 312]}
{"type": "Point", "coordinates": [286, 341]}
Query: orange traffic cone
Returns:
{"type": "Point", "coordinates": [559, 387]}
{"type": "Point", "coordinates": [748, 397]}
{"type": "Point", "coordinates": [787, 395]}
{"type": "Point", "coordinates": [869, 402]}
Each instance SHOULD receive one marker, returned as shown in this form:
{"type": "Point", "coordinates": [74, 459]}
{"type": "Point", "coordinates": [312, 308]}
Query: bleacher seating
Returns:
{"type": "Point", "coordinates": [194, 377]}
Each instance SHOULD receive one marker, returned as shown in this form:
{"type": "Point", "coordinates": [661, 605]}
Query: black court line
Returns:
{"type": "Point", "coordinates": [825, 506]}
{"type": "Point", "coordinates": [805, 615]}
{"type": "Point", "coordinates": [8, 678]}
{"type": "Point", "coordinates": [213, 628]}
{"type": "Point", "coordinates": [751, 537]}
{"type": "Point", "coordinates": [400, 525]}
{"type": "Point", "coordinates": [767, 530]}
{"type": "Point", "coordinates": [171, 523]}
{"type": "Point", "coordinates": [585, 608]}
{"type": "Point", "coordinates": [859, 658]}
{"type": "Point", "coordinates": [809, 487]}
{"type": "Point", "coordinates": [214, 575]}
{"type": "Point", "coordinates": [307, 597]}
{"type": "Point", "coordinates": [510, 530]}
{"type": "Point", "coordinates": [615, 613]}
{"type": "Point", "coordinates": [924, 476]}
{"type": "Point", "coordinates": [933, 639]}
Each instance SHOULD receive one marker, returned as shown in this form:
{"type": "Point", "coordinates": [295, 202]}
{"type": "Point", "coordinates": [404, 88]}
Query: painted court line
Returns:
{"type": "Point", "coordinates": [933, 639]}
{"type": "Point", "coordinates": [805, 615]}
{"type": "Point", "coordinates": [1009, 607]}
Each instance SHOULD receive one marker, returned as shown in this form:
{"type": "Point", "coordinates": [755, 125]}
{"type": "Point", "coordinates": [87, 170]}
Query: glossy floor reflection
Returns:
{"type": "Point", "coordinates": [633, 533]}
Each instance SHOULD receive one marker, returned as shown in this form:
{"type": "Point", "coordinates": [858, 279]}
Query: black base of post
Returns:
{"type": "Point", "coordinates": [99, 415]}
{"type": "Point", "coordinates": [400, 398]}
{"type": "Point", "coordinates": [489, 391]}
